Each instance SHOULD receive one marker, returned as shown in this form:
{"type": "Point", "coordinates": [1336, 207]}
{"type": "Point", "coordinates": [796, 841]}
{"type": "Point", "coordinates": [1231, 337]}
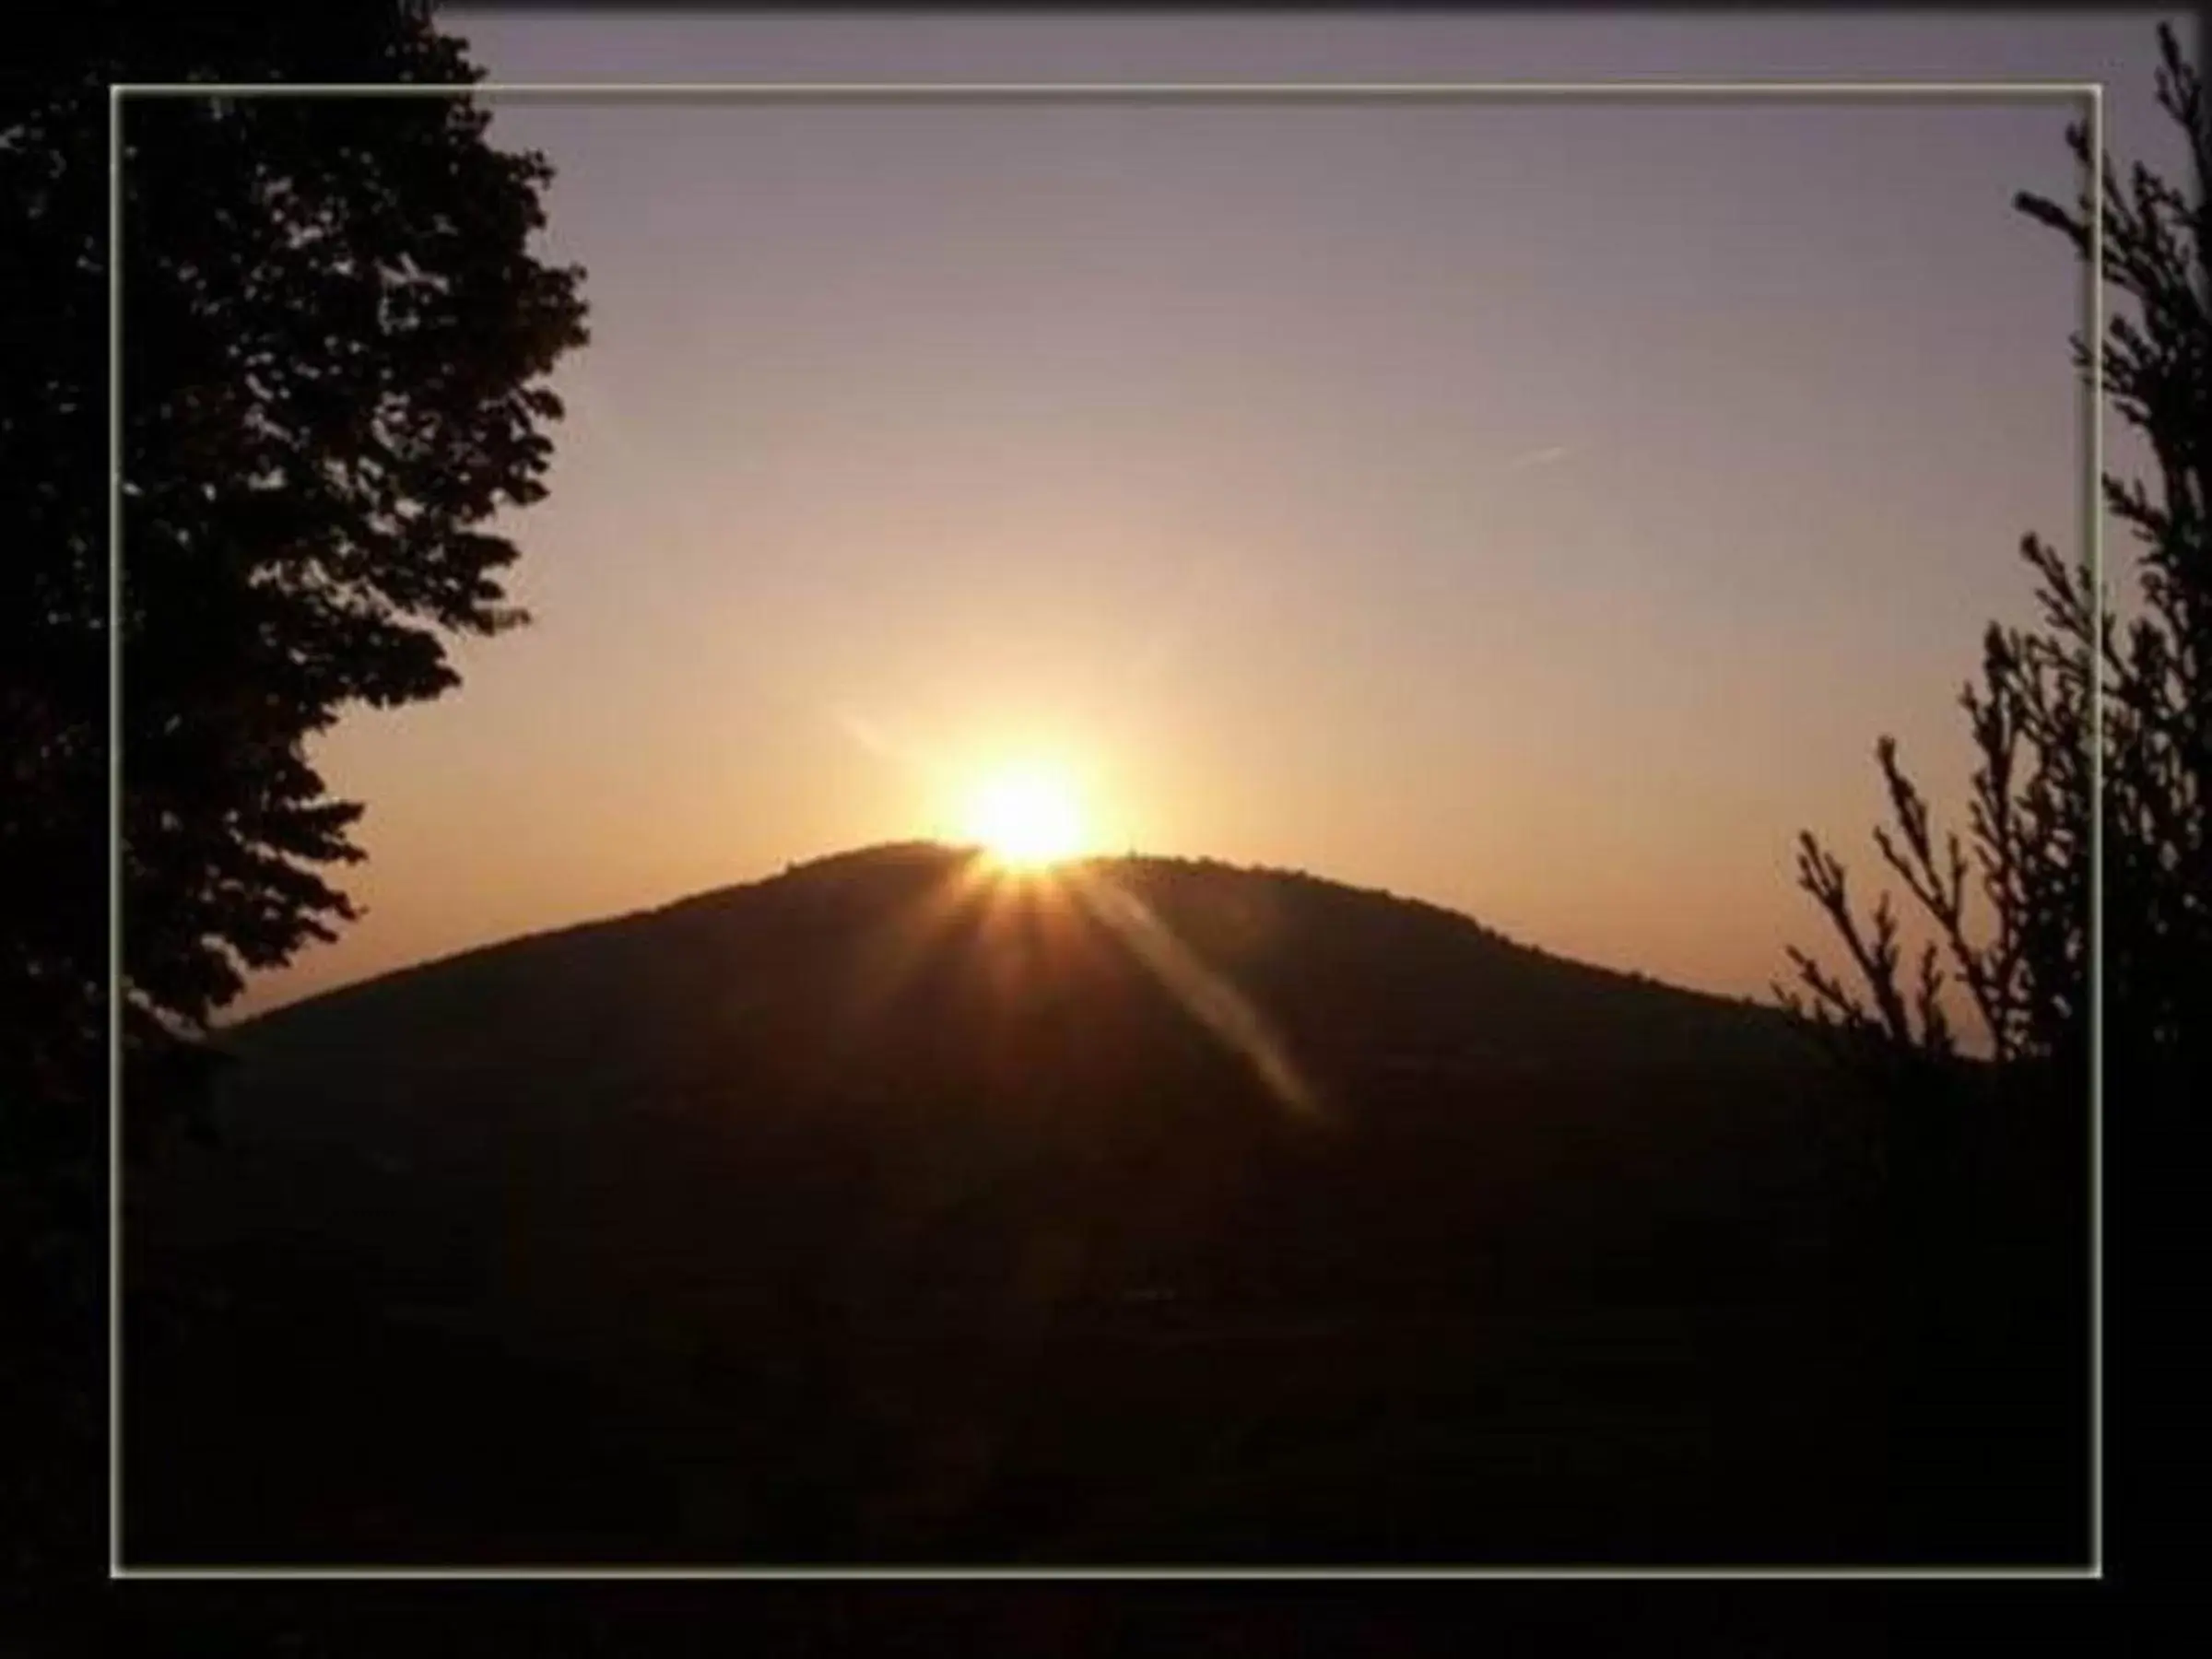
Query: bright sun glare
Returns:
{"type": "Point", "coordinates": [1025, 819]}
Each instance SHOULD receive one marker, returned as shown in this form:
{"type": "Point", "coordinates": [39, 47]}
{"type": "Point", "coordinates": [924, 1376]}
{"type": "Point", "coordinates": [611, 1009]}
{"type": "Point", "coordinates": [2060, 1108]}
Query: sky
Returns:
{"type": "Point", "coordinates": [1537, 507]}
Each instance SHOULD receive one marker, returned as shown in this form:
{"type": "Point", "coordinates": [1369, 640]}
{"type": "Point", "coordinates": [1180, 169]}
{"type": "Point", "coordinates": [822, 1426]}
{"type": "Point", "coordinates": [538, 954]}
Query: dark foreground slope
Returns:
{"type": "Point", "coordinates": [1153, 1212]}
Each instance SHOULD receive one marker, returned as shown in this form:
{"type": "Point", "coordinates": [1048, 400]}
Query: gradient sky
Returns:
{"type": "Point", "coordinates": [1536, 509]}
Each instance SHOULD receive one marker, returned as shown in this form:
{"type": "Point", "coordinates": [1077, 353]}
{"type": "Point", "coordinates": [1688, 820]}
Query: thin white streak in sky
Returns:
{"type": "Point", "coordinates": [880, 741]}
{"type": "Point", "coordinates": [1537, 457]}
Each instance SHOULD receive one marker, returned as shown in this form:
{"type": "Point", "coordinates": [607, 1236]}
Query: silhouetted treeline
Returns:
{"type": "Point", "coordinates": [2073, 917]}
{"type": "Point", "coordinates": [335, 340]}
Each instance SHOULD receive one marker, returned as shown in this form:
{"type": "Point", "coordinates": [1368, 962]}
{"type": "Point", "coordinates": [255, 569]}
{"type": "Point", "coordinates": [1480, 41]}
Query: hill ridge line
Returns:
{"type": "Point", "coordinates": [949, 853]}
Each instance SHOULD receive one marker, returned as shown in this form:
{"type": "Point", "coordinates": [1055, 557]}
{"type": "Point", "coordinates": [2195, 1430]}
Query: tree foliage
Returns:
{"type": "Point", "coordinates": [335, 335]}
{"type": "Point", "coordinates": [2008, 903]}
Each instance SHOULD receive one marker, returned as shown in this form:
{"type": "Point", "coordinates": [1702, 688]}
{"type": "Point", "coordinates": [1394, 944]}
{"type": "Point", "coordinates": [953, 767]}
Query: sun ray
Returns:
{"type": "Point", "coordinates": [1207, 997]}
{"type": "Point", "coordinates": [912, 936]}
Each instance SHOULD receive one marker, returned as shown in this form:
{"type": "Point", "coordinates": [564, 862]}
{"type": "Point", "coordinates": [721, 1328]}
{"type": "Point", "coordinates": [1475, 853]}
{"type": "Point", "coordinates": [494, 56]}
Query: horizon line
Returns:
{"type": "Point", "coordinates": [975, 850]}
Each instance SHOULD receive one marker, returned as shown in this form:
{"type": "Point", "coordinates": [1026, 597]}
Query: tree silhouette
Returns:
{"type": "Point", "coordinates": [2095, 757]}
{"type": "Point", "coordinates": [2026, 969]}
{"type": "Point", "coordinates": [335, 333]}
{"type": "Point", "coordinates": [335, 338]}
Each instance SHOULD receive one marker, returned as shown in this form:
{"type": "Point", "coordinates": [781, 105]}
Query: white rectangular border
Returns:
{"type": "Point", "coordinates": [1185, 92]}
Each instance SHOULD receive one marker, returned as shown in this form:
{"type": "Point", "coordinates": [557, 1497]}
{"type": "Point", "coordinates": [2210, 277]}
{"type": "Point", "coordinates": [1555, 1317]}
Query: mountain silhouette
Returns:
{"type": "Point", "coordinates": [896, 1208]}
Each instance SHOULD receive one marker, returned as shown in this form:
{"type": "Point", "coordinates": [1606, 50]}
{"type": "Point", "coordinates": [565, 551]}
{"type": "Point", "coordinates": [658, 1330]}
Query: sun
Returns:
{"type": "Point", "coordinates": [1026, 817]}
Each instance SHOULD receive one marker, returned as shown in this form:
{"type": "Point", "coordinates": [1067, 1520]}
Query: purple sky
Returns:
{"type": "Point", "coordinates": [1537, 509]}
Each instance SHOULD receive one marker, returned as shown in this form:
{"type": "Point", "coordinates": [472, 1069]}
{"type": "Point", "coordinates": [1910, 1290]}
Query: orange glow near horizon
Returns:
{"type": "Point", "coordinates": [1160, 453]}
